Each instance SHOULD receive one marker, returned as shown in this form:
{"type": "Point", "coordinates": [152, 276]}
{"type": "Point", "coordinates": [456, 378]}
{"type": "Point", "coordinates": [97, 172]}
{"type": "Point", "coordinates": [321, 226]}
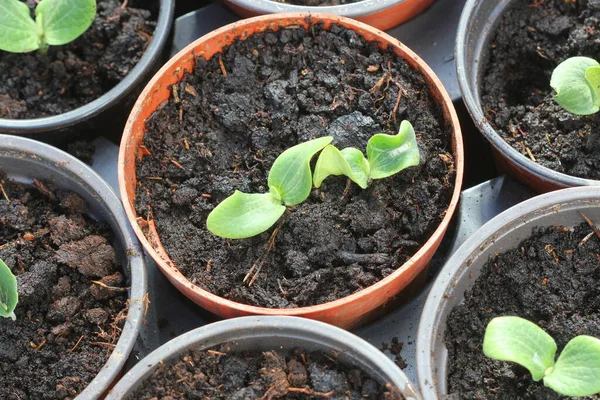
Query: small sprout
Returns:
{"type": "Point", "coordinates": [244, 215]}
{"type": "Point", "coordinates": [386, 155]}
{"type": "Point", "coordinates": [57, 22]}
{"type": "Point", "coordinates": [576, 372]}
{"type": "Point", "coordinates": [9, 296]}
{"type": "Point", "coordinates": [577, 84]}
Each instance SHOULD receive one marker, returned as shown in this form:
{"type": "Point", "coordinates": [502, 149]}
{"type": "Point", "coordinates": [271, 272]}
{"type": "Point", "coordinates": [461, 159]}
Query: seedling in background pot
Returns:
{"type": "Point", "coordinates": [577, 85]}
{"type": "Point", "coordinates": [8, 292]}
{"type": "Point", "coordinates": [243, 215]}
{"type": "Point", "coordinates": [57, 22]}
{"type": "Point", "coordinates": [576, 372]}
{"type": "Point", "coordinates": [386, 156]}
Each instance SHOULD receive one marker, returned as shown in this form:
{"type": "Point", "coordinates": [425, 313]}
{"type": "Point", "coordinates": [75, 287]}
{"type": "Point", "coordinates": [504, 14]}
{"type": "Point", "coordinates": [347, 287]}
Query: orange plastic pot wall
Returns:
{"type": "Point", "coordinates": [384, 19]}
{"type": "Point", "coordinates": [346, 312]}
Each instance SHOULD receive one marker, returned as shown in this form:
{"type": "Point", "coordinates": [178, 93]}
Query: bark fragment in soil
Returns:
{"type": "Point", "coordinates": [220, 132]}
{"type": "Point", "coordinates": [64, 332]}
{"type": "Point", "coordinates": [549, 279]}
{"type": "Point", "coordinates": [531, 40]}
{"type": "Point", "coordinates": [33, 85]}
{"type": "Point", "coordinates": [221, 374]}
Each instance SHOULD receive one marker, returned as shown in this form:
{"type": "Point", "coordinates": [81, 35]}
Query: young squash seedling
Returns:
{"type": "Point", "coordinates": [9, 296]}
{"type": "Point", "coordinates": [57, 22]}
{"type": "Point", "coordinates": [577, 84]}
{"type": "Point", "coordinates": [290, 180]}
{"type": "Point", "coordinates": [575, 373]}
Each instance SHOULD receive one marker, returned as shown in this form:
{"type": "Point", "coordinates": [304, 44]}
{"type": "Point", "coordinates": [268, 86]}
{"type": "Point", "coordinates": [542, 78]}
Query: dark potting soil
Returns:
{"type": "Point", "coordinates": [66, 325]}
{"type": "Point", "coordinates": [552, 280]}
{"type": "Point", "coordinates": [33, 85]}
{"type": "Point", "coordinates": [533, 37]}
{"type": "Point", "coordinates": [227, 122]}
{"type": "Point", "coordinates": [220, 375]}
{"type": "Point", "coordinates": [317, 3]}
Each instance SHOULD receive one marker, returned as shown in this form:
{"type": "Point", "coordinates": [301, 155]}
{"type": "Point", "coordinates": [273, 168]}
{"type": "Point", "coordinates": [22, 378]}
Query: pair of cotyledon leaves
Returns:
{"type": "Point", "coordinates": [575, 373]}
{"type": "Point", "coordinates": [290, 181]}
{"type": "Point", "coordinates": [57, 22]}
{"type": "Point", "coordinates": [577, 85]}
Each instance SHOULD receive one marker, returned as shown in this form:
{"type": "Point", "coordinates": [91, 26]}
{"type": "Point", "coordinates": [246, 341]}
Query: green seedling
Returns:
{"type": "Point", "coordinates": [386, 155]}
{"type": "Point", "coordinates": [57, 22]}
{"type": "Point", "coordinates": [575, 373]}
{"type": "Point", "coordinates": [8, 292]}
{"type": "Point", "coordinates": [577, 84]}
{"type": "Point", "coordinates": [243, 215]}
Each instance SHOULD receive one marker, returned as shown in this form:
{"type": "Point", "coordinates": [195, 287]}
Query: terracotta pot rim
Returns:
{"type": "Point", "coordinates": [108, 99]}
{"type": "Point", "coordinates": [353, 10]}
{"type": "Point", "coordinates": [175, 274]}
{"type": "Point", "coordinates": [466, 82]}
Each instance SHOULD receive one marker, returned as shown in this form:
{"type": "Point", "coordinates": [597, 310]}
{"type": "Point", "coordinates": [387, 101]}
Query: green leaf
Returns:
{"type": "Point", "coordinates": [18, 32]}
{"type": "Point", "coordinates": [9, 297]}
{"type": "Point", "coordinates": [62, 21]}
{"type": "Point", "coordinates": [290, 176]}
{"type": "Point", "coordinates": [350, 162]}
{"type": "Point", "coordinates": [243, 215]}
{"type": "Point", "coordinates": [573, 91]}
{"type": "Point", "coordinates": [520, 341]}
{"type": "Point", "coordinates": [592, 74]}
{"type": "Point", "coordinates": [577, 370]}
{"type": "Point", "coordinates": [389, 154]}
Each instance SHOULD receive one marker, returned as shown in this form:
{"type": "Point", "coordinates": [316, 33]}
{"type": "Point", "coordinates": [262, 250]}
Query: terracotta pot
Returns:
{"type": "Point", "coordinates": [506, 231]}
{"type": "Point", "coordinates": [283, 334]}
{"type": "Point", "coordinates": [383, 14]}
{"type": "Point", "coordinates": [475, 32]}
{"type": "Point", "coordinates": [345, 312]}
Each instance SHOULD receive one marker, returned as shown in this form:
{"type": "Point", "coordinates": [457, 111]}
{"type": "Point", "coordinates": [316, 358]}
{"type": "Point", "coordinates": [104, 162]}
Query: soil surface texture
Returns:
{"type": "Point", "coordinates": [220, 375]}
{"type": "Point", "coordinates": [318, 3]}
{"type": "Point", "coordinates": [34, 85]}
{"type": "Point", "coordinates": [66, 323]}
{"type": "Point", "coordinates": [227, 122]}
{"type": "Point", "coordinates": [533, 37]}
{"type": "Point", "coordinates": [551, 279]}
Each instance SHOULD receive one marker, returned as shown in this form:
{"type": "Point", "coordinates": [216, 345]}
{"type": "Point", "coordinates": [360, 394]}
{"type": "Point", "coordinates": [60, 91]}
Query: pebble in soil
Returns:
{"type": "Point", "coordinates": [549, 279]}
{"type": "Point", "coordinates": [532, 38]}
{"type": "Point", "coordinates": [228, 120]}
{"type": "Point", "coordinates": [33, 85]}
{"type": "Point", "coordinates": [223, 375]}
{"type": "Point", "coordinates": [66, 325]}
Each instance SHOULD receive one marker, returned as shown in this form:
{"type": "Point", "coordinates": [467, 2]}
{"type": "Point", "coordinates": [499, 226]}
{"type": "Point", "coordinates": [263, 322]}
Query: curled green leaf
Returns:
{"type": "Point", "coordinates": [350, 162]}
{"type": "Point", "coordinates": [290, 176]}
{"type": "Point", "coordinates": [18, 32]}
{"type": "Point", "coordinates": [243, 215]}
{"type": "Point", "coordinates": [62, 21]}
{"type": "Point", "coordinates": [520, 341]}
{"type": "Point", "coordinates": [577, 370]}
{"type": "Point", "coordinates": [577, 90]}
{"type": "Point", "coordinates": [9, 297]}
{"type": "Point", "coordinates": [390, 154]}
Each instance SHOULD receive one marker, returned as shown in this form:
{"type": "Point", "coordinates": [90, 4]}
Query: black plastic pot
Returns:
{"type": "Point", "coordinates": [109, 112]}
{"type": "Point", "coordinates": [269, 333]}
{"type": "Point", "coordinates": [502, 233]}
{"type": "Point", "coordinates": [23, 159]}
{"type": "Point", "coordinates": [475, 30]}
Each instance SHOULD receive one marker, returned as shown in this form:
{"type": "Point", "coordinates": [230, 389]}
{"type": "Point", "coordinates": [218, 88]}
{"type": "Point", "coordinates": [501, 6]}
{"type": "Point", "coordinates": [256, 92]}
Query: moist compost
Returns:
{"type": "Point", "coordinates": [222, 375]}
{"type": "Point", "coordinates": [318, 3]}
{"type": "Point", "coordinates": [34, 85]}
{"type": "Point", "coordinates": [67, 321]}
{"type": "Point", "coordinates": [225, 124]}
{"type": "Point", "coordinates": [550, 279]}
{"type": "Point", "coordinates": [532, 38]}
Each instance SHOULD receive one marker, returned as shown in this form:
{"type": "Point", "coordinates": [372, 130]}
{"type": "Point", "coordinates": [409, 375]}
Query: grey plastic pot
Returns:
{"type": "Point", "coordinates": [268, 333]}
{"type": "Point", "coordinates": [502, 233]}
{"type": "Point", "coordinates": [380, 14]}
{"type": "Point", "coordinates": [23, 159]}
{"type": "Point", "coordinates": [108, 112]}
{"type": "Point", "coordinates": [475, 29]}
